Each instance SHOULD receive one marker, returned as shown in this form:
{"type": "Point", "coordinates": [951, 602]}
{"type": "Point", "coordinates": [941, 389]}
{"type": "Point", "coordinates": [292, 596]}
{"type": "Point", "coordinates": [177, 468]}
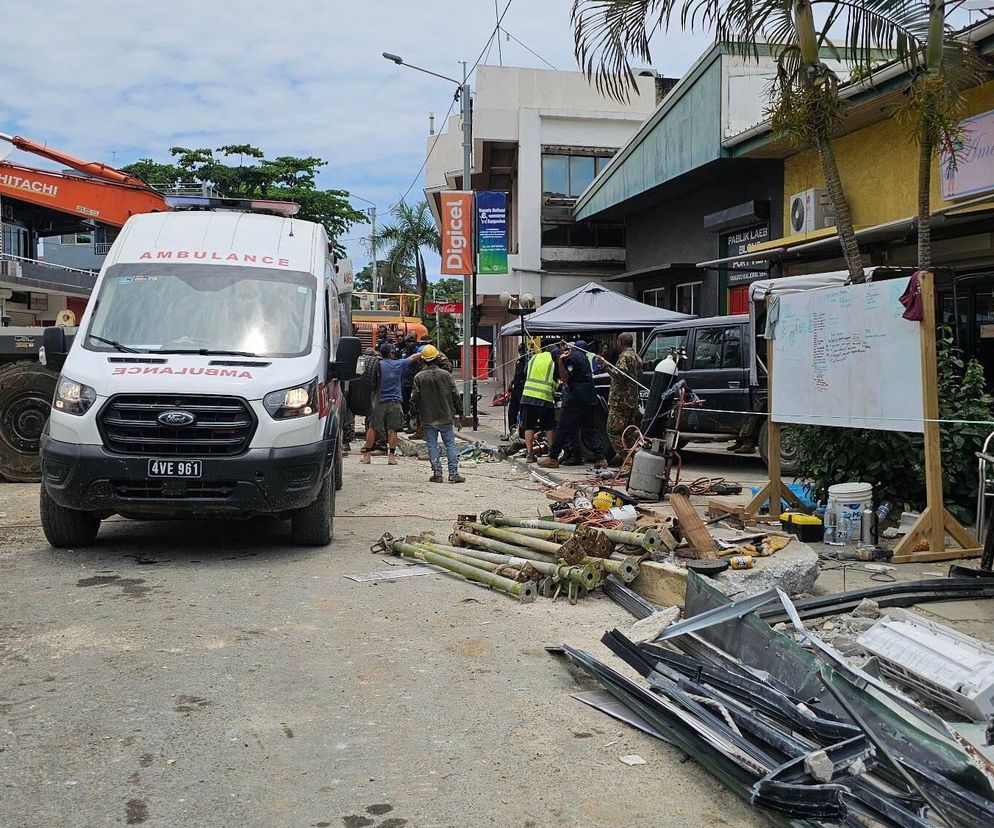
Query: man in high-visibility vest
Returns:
{"type": "Point", "coordinates": [538, 400]}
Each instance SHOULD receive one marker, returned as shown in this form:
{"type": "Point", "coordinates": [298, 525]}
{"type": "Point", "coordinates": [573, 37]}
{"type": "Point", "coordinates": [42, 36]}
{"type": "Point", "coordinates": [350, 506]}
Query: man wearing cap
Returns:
{"type": "Point", "coordinates": [435, 404]}
{"type": "Point", "coordinates": [388, 413]}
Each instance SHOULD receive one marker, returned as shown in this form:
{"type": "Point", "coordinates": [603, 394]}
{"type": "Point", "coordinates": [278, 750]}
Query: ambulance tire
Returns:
{"type": "Point", "coordinates": [314, 525]}
{"type": "Point", "coordinates": [363, 391]}
{"type": "Point", "coordinates": [26, 391]}
{"type": "Point", "coordinates": [67, 528]}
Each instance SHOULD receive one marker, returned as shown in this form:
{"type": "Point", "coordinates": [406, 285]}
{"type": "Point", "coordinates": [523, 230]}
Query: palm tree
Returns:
{"type": "Point", "coordinates": [412, 230]}
{"type": "Point", "coordinates": [804, 101]}
{"type": "Point", "coordinates": [934, 108]}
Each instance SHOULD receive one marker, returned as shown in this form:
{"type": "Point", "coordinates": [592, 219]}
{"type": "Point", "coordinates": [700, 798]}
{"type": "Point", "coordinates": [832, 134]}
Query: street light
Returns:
{"type": "Point", "coordinates": [469, 284]}
{"type": "Point", "coordinates": [371, 212]}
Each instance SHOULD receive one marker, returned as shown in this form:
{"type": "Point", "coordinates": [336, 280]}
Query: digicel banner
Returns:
{"type": "Point", "coordinates": [457, 233]}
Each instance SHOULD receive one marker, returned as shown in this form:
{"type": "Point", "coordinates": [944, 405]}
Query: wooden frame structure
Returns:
{"type": "Point", "coordinates": [935, 520]}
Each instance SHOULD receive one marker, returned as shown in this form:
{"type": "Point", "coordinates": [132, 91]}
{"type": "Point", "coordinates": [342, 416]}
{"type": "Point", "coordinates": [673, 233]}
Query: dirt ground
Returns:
{"type": "Point", "coordinates": [195, 674]}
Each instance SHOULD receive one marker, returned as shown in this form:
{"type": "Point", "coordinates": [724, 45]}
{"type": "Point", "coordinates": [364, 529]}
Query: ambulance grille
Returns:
{"type": "Point", "coordinates": [223, 426]}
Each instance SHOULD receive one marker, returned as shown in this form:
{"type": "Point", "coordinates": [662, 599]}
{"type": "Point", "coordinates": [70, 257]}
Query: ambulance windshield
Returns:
{"type": "Point", "coordinates": [195, 308]}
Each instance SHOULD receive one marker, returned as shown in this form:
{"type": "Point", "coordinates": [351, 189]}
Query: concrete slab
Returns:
{"type": "Point", "coordinates": [981, 610]}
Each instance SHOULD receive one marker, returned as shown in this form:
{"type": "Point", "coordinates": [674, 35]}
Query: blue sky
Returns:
{"type": "Point", "coordinates": [115, 81]}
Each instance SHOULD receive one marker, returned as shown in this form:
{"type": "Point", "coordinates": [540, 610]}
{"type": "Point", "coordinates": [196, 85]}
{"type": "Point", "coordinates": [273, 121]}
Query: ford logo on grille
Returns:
{"type": "Point", "coordinates": [176, 419]}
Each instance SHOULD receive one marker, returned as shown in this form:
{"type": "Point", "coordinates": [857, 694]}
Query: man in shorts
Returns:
{"type": "Point", "coordinates": [388, 413]}
{"type": "Point", "coordinates": [538, 405]}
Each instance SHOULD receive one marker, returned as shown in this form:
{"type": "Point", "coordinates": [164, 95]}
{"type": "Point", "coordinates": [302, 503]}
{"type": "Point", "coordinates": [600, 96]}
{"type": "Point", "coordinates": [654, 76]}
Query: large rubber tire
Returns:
{"type": "Point", "coordinates": [26, 391]}
{"type": "Point", "coordinates": [314, 525]}
{"type": "Point", "coordinates": [66, 528]}
{"type": "Point", "coordinates": [339, 464]}
{"type": "Point", "coordinates": [364, 390]}
{"type": "Point", "coordinates": [788, 453]}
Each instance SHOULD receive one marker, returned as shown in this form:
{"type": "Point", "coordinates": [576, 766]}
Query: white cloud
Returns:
{"type": "Point", "coordinates": [116, 80]}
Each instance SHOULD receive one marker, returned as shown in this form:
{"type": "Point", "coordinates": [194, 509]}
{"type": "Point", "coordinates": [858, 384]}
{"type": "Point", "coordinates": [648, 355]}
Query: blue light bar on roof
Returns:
{"type": "Point", "coordinates": [247, 205]}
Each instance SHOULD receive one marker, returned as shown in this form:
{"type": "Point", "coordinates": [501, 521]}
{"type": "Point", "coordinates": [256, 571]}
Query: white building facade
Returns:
{"type": "Point", "coordinates": [541, 136]}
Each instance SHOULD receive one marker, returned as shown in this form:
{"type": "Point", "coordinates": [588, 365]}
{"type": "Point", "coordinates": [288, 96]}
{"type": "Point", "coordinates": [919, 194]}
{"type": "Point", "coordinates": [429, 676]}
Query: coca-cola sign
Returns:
{"type": "Point", "coordinates": [443, 307]}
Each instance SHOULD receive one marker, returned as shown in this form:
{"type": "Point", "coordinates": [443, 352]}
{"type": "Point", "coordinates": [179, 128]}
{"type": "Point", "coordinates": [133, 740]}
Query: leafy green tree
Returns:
{"type": "Point", "coordinates": [286, 178]}
{"type": "Point", "coordinates": [392, 280]}
{"type": "Point", "coordinates": [448, 288]}
{"type": "Point", "coordinates": [412, 230]}
{"type": "Point", "coordinates": [804, 105]}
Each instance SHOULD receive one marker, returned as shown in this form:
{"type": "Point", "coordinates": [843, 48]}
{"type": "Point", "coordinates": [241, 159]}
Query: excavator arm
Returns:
{"type": "Point", "coordinates": [101, 194]}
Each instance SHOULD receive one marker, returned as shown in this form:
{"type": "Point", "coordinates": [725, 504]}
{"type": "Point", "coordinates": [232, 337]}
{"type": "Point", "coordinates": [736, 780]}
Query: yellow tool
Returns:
{"type": "Point", "coordinates": [740, 562]}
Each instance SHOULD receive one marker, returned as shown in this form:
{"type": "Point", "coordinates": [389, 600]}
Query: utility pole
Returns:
{"type": "Point", "coordinates": [469, 283]}
{"type": "Point", "coordinates": [372, 243]}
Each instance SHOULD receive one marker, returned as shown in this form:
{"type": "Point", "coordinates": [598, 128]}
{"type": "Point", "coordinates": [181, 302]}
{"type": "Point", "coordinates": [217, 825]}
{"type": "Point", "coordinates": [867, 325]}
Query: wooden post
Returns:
{"type": "Point", "coordinates": [774, 489]}
{"type": "Point", "coordinates": [934, 520]}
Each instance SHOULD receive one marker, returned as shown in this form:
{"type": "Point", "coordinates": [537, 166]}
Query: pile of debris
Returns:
{"type": "Point", "coordinates": [787, 723]}
{"type": "Point", "coordinates": [526, 557]}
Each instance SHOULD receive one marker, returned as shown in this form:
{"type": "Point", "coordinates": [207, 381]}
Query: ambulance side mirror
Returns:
{"type": "Point", "coordinates": [56, 348]}
{"type": "Point", "coordinates": [346, 359]}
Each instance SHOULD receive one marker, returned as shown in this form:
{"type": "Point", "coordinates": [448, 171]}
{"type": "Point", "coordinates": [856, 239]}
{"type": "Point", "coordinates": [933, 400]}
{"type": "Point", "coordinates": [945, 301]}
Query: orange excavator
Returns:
{"type": "Point", "coordinates": [101, 193]}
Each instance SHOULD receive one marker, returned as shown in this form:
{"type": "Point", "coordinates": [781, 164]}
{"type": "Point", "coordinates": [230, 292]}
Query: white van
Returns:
{"type": "Point", "coordinates": [207, 378]}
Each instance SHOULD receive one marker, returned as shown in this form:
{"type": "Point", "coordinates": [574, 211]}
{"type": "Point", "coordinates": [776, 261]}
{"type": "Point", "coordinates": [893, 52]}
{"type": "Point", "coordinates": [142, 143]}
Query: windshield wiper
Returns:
{"type": "Point", "coordinates": [117, 346]}
{"type": "Point", "coordinates": [206, 352]}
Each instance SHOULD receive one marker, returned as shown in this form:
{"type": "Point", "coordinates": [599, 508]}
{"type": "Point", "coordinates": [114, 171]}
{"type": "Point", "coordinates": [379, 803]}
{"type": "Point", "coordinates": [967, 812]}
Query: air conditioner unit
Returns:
{"type": "Point", "coordinates": [9, 269]}
{"type": "Point", "coordinates": [811, 210]}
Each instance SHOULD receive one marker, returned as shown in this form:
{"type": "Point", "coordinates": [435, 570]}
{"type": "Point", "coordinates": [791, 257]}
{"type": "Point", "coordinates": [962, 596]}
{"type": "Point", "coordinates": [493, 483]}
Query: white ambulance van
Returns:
{"type": "Point", "coordinates": [207, 378]}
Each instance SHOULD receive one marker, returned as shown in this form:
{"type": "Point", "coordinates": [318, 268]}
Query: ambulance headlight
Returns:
{"type": "Point", "coordinates": [299, 401]}
{"type": "Point", "coordinates": [73, 397]}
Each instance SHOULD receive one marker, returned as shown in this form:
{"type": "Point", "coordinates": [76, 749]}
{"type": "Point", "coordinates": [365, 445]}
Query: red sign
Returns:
{"type": "Point", "coordinates": [457, 233]}
{"type": "Point", "coordinates": [443, 307]}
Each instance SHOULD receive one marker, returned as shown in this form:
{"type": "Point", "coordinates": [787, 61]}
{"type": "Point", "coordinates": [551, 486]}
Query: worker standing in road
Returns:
{"type": "Point", "coordinates": [388, 413]}
{"type": "Point", "coordinates": [623, 399]}
{"type": "Point", "coordinates": [538, 400]}
{"type": "Point", "coordinates": [435, 404]}
{"type": "Point", "coordinates": [580, 408]}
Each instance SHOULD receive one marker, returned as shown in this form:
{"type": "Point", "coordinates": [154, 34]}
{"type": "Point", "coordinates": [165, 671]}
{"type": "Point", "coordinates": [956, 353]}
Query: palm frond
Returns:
{"type": "Point", "coordinates": [608, 34]}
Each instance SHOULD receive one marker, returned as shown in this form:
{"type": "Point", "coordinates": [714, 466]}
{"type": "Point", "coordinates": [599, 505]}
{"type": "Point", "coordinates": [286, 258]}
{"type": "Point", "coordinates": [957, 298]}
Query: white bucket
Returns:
{"type": "Point", "coordinates": [847, 502]}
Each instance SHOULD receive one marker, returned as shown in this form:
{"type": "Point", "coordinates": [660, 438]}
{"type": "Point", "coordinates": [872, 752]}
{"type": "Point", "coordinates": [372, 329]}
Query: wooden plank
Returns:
{"type": "Point", "coordinates": [759, 499]}
{"type": "Point", "coordinates": [692, 527]}
{"type": "Point", "coordinates": [947, 554]}
{"type": "Point", "coordinates": [906, 546]}
{"type": "Point", "coordinates": [930, 404]}
{"type": "Point", "coordinates": [959, 533]}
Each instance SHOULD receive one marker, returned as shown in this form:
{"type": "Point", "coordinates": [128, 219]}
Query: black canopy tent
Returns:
{"type": "Point", "coordinates": [589, 309]}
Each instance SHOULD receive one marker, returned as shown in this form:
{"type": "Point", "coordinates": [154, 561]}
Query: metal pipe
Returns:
{"type": "Point", "coordinates": [586, 575]}
{"type": "Point", "coordinates": [502, 547]}
{"type": "Point", "coordinates": [626, 569]}
{"type": "Point", "coordinates": [525, 591]}
{"type": "Point", "coordinates": [548, 547]}
{"type": "Point", "coordinates": [648, 540]}
{"type": "Point", "coordinates": [457, 555]}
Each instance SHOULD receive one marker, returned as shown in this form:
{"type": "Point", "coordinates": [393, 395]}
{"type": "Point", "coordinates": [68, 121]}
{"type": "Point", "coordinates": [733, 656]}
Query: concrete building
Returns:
{"type": "Point", "coordinates": [541, 136]}
{"type": "Point", "coordinates": [683, 198]}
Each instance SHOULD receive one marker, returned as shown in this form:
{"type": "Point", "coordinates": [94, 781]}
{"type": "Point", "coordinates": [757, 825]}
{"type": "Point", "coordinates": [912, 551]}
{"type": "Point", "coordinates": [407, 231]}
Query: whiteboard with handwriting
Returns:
{"type": "Point", "coordinates": [844, 356]}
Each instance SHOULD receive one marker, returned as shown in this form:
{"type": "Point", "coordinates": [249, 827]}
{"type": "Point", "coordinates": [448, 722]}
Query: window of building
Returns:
{"type": "Point", "coordinates": [76, 238]}
{"type": "Point", "coordinates": [581, 234]}
{"type": "Point", "coordinates": [688, 298]}
{"type": "Point", "coordinates": [662, 344]}
{"type": "Point", "coordinates": [15, 241]}
{"type": "Point", "coordinates": [555, 175]}
{"type": "Point", "coordinates": [655, 297]}
{"type": "Point", "coordinates": [567, 176]}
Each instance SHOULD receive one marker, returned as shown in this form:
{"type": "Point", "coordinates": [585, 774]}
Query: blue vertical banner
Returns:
{"type": "Point", "coordinates": [491, 222]}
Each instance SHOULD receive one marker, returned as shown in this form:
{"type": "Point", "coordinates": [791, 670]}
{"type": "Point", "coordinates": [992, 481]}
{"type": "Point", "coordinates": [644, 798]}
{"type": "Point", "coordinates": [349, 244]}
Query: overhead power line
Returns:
{"type": "Point", "coordinates": [434, 143]}
{"type": "Point", "coordinates": [526, 48]}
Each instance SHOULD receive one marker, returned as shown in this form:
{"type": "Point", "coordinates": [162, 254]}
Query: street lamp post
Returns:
{"type": "Point", "coordinates": [469, 283]}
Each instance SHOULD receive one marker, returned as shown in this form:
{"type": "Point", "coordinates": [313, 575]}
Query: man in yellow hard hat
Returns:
{"type": "Point", "coordinates": [435, 403]}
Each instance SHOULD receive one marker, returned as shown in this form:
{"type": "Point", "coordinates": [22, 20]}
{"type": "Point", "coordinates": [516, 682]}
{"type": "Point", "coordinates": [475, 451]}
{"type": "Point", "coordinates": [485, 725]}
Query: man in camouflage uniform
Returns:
{"type": "Point", "coordinates": [623, 400]}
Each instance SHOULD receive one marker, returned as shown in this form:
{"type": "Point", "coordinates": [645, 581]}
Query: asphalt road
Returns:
{"type": "Point", "coordinates": [196, 674]}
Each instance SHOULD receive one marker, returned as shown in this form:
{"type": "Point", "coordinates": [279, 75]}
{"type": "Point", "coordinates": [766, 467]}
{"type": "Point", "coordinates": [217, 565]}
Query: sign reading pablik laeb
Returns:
{"type": "Point", "coordinates": [971, 172]}
{"type": "Point", "coordinates": [737, 243]}
{"type": "Point", "coordinates": [491, 217]}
